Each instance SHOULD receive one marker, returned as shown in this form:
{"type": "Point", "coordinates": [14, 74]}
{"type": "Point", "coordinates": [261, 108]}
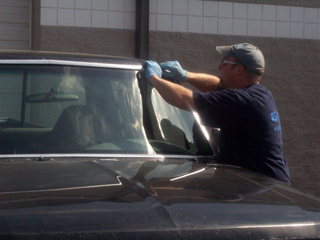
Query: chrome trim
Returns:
{"type": "Point", "coordinates": [71, 63]}
{"type": "Point", "coordinates": [91, 155]}
{"type": "Point", "coordinates": [205, 132]}
{"type": "Point", "coordinates": [64, 189]}
{"type": "Point", "coordinates": [274, 225]}
{"type": "Point", "coordinates": [187, 175]}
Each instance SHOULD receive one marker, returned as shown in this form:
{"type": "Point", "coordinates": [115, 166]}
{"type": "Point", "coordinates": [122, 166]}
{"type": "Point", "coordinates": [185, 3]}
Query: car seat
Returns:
{"type": "Point", "coordinates": [76, 128]}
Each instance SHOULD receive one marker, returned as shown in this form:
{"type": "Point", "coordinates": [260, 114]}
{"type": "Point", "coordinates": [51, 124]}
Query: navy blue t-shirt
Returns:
{"type": "Point", "coordinates": [250, 129]}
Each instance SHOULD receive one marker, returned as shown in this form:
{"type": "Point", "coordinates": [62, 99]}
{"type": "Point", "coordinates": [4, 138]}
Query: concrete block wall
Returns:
{"type": "Point", "coordinates": [233, 18]}
{"type": "Point", "coordinates": [119, 14]}
{"type": "Point", "coordinates": [88, 40]}
{"type": "Point", "coordinates": [87, 26]}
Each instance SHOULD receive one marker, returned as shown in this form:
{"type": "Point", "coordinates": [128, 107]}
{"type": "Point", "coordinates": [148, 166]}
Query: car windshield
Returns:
{"type": "Point", "coordinates": [73, 109]}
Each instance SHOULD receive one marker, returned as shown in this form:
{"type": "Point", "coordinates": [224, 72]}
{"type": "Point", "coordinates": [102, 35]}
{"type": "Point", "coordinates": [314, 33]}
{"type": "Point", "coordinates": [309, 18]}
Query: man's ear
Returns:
{"type": "Point", "coordinates": [240, 69]}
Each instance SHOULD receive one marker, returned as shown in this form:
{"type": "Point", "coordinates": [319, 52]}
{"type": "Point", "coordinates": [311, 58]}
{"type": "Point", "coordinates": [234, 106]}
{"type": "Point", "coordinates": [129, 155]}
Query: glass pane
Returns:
{"type": "Point", "coordinates": [180, 133]}
{"type": "Point", "coordinates": [60, 109]}
{"type": "Point", "coordinates": [43, 106]}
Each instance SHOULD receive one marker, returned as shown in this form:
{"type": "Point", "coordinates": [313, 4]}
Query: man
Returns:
{"type": "Point", "coordinates": [235, 102]}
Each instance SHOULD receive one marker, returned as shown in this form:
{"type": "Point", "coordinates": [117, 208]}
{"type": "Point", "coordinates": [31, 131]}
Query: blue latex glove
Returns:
{"type": "Point", "coordinates": [152, 68]}
{"type": "Point", "coordinates": [172, 70]}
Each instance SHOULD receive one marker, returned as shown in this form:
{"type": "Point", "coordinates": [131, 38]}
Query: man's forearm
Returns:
{"type": "Point", "coordinates": [174, 94]}
{"type": "Point", "coordinates": [203, 82]}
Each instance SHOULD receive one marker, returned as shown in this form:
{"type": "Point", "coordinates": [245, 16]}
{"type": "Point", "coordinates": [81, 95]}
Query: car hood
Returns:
{"type": "Point", "coordinates": [118, 196]}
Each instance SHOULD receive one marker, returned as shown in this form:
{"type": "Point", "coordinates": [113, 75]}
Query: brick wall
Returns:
{"type": "Point", "coordinates": [88, 40]}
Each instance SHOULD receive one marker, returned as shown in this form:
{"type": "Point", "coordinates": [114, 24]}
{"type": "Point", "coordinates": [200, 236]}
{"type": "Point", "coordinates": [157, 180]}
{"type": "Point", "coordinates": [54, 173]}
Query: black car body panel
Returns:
{"type": "Point", "coordinates": [72, 197]}
{"type": "Point", "coordinates": [151, 179]}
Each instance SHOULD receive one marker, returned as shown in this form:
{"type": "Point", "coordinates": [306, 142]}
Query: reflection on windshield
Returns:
{"type": "Point", "coordinates": [167, 181]}
{"type": "Point", "coordinates": [178, 127]}
{"type": "Point", "coordinates": [179, 118]}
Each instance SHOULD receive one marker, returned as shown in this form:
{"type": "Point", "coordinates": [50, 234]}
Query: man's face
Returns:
{"type": "Point", "coordinates": [227, 73]}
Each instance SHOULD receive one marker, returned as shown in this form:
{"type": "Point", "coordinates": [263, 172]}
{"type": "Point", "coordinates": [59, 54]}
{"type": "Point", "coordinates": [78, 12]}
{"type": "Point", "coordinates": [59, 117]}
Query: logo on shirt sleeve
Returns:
{"type": "Point", "coordinates": [275, 118]}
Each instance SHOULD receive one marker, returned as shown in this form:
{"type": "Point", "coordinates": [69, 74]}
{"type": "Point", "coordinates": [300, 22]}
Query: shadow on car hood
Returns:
{"type": "Point", "coordinates": [118, 195]}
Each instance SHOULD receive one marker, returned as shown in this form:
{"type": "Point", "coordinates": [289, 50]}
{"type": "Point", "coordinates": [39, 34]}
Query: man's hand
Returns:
{"type": "Point", "coordinates": [152, 68]}
{"type": "Point", "coordinates": [172, 70]}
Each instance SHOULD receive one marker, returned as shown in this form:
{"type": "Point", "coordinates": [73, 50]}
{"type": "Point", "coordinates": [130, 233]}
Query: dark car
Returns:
{"type": "Point", "coordinates": [89, 150]}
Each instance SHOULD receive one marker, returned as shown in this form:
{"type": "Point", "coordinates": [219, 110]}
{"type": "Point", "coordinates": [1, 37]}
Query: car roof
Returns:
{"type": "Point", "coordinates": [47, 57]}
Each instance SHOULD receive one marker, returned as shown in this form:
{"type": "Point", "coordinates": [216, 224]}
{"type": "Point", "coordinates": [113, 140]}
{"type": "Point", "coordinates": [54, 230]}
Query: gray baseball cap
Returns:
{"type": "Point", "coordinates": [248, 55]}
